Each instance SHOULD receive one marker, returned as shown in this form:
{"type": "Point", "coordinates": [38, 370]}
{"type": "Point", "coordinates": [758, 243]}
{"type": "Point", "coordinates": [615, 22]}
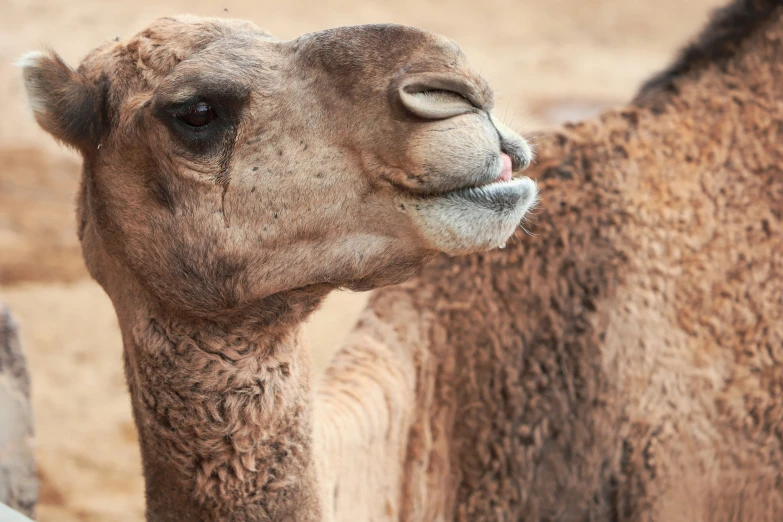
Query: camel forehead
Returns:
{"type": "Point", "coordinates": [380, 44]}
{"type": "Point", "coordinates": [167, 42]}
{"type": "Point", "coordinates": [187, 34]}
{"type": "Point", "coordinates": [378, 38]}
{"type": "Point", "coordinates": [336, 47]}
{"type": "Point", "coordinates": [195, 32]}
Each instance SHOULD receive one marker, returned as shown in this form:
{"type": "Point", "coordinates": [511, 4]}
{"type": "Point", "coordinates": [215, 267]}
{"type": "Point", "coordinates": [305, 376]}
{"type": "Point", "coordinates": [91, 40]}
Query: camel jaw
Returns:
{"type": "Point", "coordinates": [473, 219]}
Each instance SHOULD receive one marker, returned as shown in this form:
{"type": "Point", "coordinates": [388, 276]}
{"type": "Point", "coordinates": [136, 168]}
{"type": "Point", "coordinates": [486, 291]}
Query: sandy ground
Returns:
{"type": "Point", "coordinates": [549, 60]}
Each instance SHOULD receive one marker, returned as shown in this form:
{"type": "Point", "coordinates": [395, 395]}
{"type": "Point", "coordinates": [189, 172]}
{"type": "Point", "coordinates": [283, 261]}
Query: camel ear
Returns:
{"type": "Point", "coordinates": [65, 103]}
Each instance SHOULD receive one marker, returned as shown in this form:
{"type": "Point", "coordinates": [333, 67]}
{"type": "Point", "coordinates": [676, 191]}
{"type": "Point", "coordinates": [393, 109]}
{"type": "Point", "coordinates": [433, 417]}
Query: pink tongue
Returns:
{"type": "Point", "coordinates": [505, 174]}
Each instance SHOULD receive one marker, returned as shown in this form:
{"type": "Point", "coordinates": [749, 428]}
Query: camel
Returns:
{"type": "Point", "coordinates": [18, 484]}
{"type": "Point", "coordinates": [230, 182]}
{"type": "Point", "coordinates": [626, 364]}
{"type": "Point", "coordinates": [623, 365]}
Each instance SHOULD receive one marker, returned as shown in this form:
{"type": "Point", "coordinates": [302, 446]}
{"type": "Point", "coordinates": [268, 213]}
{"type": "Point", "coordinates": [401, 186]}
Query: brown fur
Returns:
{"type": "Point", "coordinates": [625, 363]}
{"type": "Point", "coordinates": [328, 166]}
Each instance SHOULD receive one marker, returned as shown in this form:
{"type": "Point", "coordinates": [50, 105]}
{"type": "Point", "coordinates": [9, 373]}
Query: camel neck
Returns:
{"type": "Point", "coordinates": [224, 419]}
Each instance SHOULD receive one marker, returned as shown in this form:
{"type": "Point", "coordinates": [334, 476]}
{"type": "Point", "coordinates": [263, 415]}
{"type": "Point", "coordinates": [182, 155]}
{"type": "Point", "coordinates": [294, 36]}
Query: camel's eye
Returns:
{"type": "Point", "coordinates": [197, 115]}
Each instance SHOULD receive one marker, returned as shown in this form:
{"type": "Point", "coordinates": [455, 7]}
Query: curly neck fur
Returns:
{"type": "Point", "coordinates": [224, 420]}
{"type": "Point", "coordinates": [222, 407]}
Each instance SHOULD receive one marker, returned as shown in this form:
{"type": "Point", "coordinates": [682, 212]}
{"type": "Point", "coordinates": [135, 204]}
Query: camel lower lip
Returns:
{"type": "Point", "coordinates": [473, 218]}
{"type": "Point", "coordinates": [500, 196]}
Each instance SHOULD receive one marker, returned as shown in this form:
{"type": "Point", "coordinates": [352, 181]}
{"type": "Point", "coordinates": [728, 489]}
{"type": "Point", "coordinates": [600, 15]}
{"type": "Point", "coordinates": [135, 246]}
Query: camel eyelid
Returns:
{"type": "Point", "coordinates": [228, 98]}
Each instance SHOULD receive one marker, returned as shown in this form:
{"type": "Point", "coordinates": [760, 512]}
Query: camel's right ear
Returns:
{"type": "Point", "coordinates": [64, 102]}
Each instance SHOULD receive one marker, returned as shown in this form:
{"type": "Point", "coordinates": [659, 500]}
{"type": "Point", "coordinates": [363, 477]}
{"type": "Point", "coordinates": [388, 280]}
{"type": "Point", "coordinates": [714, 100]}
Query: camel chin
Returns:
{"type": "Point", "coordinates": [473, 219]}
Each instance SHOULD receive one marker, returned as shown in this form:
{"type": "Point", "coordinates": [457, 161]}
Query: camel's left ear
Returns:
{"type": "Point", "coordinates": [64, 102]}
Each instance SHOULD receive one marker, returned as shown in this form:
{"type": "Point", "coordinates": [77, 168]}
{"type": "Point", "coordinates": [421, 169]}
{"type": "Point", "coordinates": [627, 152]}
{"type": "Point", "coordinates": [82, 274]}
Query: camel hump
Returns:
{"type": "Point", "coordinates": [18, 485]}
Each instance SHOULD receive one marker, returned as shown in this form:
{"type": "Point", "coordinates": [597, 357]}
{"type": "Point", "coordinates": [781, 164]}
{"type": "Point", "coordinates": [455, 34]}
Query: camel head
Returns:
{"type": "Point", "coordinates": [223, 166]}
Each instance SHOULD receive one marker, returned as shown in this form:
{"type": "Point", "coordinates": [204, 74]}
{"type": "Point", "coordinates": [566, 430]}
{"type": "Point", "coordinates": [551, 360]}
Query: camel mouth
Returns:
{"type": "Point", "coordinates": [507, 191]}
{"type": "Point", "coordinates": [473, 219]}
{"type": "Point", "coordinates": [501, 195]}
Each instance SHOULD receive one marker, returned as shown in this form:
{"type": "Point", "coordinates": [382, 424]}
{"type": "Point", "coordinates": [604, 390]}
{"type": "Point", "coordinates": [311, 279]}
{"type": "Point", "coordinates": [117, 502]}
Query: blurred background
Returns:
{"type": "Point", "coordinates": [548, 60]}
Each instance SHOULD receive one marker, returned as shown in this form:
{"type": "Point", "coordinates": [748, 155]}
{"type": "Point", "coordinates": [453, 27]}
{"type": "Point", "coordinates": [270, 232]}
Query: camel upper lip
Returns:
{"type": "Point", "coordinates": [486, 179]}
{"type": "Point", "coordinates": [494, 183]}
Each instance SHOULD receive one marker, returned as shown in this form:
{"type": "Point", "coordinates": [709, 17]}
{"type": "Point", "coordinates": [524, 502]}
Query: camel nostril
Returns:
{"type": "Point", "coordinates": [437, 97]}
{"type": "Point", "coordinates": [435, 104]}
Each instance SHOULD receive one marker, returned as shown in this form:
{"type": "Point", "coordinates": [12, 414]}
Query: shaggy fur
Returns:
{"type": "Point", "coordinates": [626, 364]}
{"type": "Point", "coordinates": [18, 484]}
{"type": "Point", "coordinates": [730, 29]}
